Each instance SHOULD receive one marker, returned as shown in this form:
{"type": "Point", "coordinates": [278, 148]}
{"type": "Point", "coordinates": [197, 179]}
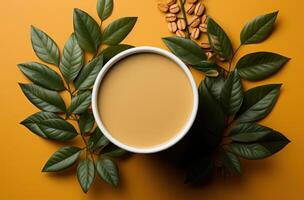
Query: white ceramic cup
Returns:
{"type": "Point", "coordinates": [179, 135]}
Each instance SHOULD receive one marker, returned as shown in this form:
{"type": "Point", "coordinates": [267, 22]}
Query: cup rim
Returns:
{"type": "Point", "coordinates": [179, 135]}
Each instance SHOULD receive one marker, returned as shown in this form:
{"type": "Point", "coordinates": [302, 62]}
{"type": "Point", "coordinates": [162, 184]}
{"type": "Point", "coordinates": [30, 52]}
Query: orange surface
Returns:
{"type": "Point", "coordinates": [145, 177]}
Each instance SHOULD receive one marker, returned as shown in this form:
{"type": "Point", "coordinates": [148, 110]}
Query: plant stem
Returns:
{"type": "Point", "coordinates": [182, 3]}
{"type": "Point", "coordinates": [233, 56]}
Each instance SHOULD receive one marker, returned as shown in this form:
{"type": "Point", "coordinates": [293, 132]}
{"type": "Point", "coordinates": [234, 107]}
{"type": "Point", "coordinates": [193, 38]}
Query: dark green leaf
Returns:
{"type": "Point", "coordinates": [42, 75]}
{"type": "Point", "coordinates": [87, 31]}
{"type": "Point", "coordinates": [230, 161]}
{"type": "Point", "coordinates": [260, 65]}
{"type": "Point", "coordinates": [80, 102]}
{"type": "Point", "coordinates": [97, 140]}
{"type": "Point", "coordinates": [215, 85]}
{"type": "Point", "coordinates": [62, 159]}
{"type": "Point", "coordinates": [34, 120]}
{"type": "Point", "coordinates": [209, 68]}
{"type": "Point", "coordinates": [72, 59]}
{"type": "Point", "coordinates": [44, 46]}
{"type": "Point", "coordinates": [258, 102]}
{"type": "Point", "coordinates": [57, 129]}
{"type": "Point", "coordinates": [118, 30]}
{"type": "Point", "coordinates": [85, 174]}
{"type": "Point", "coordinates": [186, 49]}
{"type": "Point", "coordinates": [218, 39]}
{"type": "Point", "coordinates": [44, 99]}
{"type": "Point", "coordinates": [112, 51]}
{"type": "Point", "coordinates": [88, 74]}
{"type": "Point", "coordinates": [249, 132]}
{"type": "Point", "coordinates": [113, 151]}
{"type": "Point", "coordinates": [258, 29]}
{"type": "Point", "coordinates": [108, 171]}
{"type": "Point", "coordinates": [104, 8]}
{"type": "Point", "coordinates": [232, 93]}
{"type": "Point", "coordinates": [86, 122]}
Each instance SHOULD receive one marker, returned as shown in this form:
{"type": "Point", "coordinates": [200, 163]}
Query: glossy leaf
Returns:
{"type": "Point", "coordinates": [87, 31]}
{"type": "Point", "coordinates": [113, 151]}
{"type": "Point", "coordinates": [260, 65]}
{"type": "Point", "coordinates": [42, 75]}
{"type": "Point", "coordinates": [85, 174]}
{"type": "Point", "coordinates": [58, 129]}
{"type": "Point", "coordinates": [112, 51]}
{"type": "Point", "coordinates": [258, 29]}
{"type": "Point", "coordinates": [186, 49]}
{"type": "Point", "coordinates": [44, 99]}
{"type": "Point", "coordinates": [72, 59]}
{"type": "Point", "coordinates": [104, 8]}
{"type": "Point", "coordinates": [232, 93]}
{"type": "Point", "coordinates": [86, 122]}
{"type": "Point", "coordinates": [80, 102]}
{"type": "Point", "coordinates": [258, 102]}
{"type": "Point", "coordinates": [108, 171]}
{"type": "Point", "coordinates": [88, 74]}
{"type": "Point", "coordinates": [62, 159]}
{"type": "Point", "coordinates": [34, 120]}
{"type": "Point", "coordinates": [215, 85]}
{"type": "Point", "coordinates": [97, 140]}
{"type": "Point", "coordinates": [118, 30]}
{"type": "Point", "coordinates": [44, 46]}
{"type": "Point", "coordinates": [209, 68]}
{"type": "Point", "coordinates": [219, 40]}
{"type": "Point", "coordinates": [230, 161]}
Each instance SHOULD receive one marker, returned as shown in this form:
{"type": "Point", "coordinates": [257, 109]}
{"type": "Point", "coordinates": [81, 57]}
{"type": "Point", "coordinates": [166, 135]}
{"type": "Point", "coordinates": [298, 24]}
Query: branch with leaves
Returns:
{"type": "Point", "coordinates": [55, 121]}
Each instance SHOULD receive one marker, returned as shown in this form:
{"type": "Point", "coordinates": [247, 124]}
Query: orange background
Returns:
{"type": "Point", "coordinates": [146, 177]}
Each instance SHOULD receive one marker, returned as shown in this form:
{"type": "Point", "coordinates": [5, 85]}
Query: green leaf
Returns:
{"type": "Point", "coordinates": [85, 174]}
{"type": "Point", "coordinates": [72, 59]}
{"type": "Point", "coordinates": [44, 46]}
{"type": "Point", "coordinates": [215, 85]}
{"type": "Point", "coordinates": [218, 39]}
{"type": "Point", "coordinates": [258, 102]}
{"type": "Point", "coordinates": [232, 93]}
{"type": "Point", "coordinates": [258, 29]}
{"type": "Point", "coordinates": [260, 65]}
{"type": "Point", "coordinates": [113, 151]}
{"type": "Point", "coordinates": [80, 102]}
{"type": "Point", "coordinates": [34, 120]}
{"type": "Point", "coordinates": [42, 75]}
{"type": "Point", "coordinates": [88, 74]}
{"type": "Point", "coordinates": [230, 161]}
{"type": "Point", "coordinates": [186, 49]}
{"type": "Point", "coordinates": [86, 122]}
{"type": "Point", "coordinates": [87, 31]}
{"type": "Point", "coordinates": [209, 68]}
{"type": "Point", "coordinates": [266, 146]}
{"type": "Point", "coordinates": [97, 140]}
{"type": "Point", "coordinates": [43, 99]}
{"type": "Point", "coordinates": [118, 30]}
{"type": "Point", "coordinates": [112, 51]}
{"type": "Point", "coordinates": [104, 8]}
{"type": "Point", "coordinates": [108, 171]}
{"type": "Point", "coordinates": [58, 129]}
{"type": "Point", "coordinates": [62, 159]}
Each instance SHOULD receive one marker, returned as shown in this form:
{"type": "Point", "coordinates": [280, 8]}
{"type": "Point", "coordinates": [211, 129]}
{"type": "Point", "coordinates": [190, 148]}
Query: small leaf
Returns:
{"type": "Point", "coordinates": [230, 161]}
{"type": "Point", "coordinates": [87, 31]}
{"type": "Point", "coordinates": [260, 65]}
{"type": "Point", "coordinates": [113, 151]}
{"type": "Point", "coordinates": [215, 85]}
{"type": "Point", "coordinates": [42, 75]}
{"type": "Point", "coordinates": [108, 171]}
{"type": "Point", "coordinates": [266, 146]}
{"type": "Point", "coordinates": [62, 159]}
{"type": "Point", "coordinates": [88, 74]}
{"type": "Point", "coordinates": [58, 129]}
{"type": "Point", "coordinates": [209, 68]}
{"type": "Point", "coordinates": [34, 120]}
{"type": "Point", "coordinates": [258, 29]}
{"type": "Point", "coordinates": [258, 102]}
{"type": "Point", "coordinates": [44, 46]}
{"type": "Point", "coordinates": [232, 93]}
{"type": "Point", "coordinates": [218, 39]}
{"type": "Point", "coordinates": [186, 49]}
{"type": "Point", "coordinates": [72, 59]}
{"type": "Point", "coordinates": [44, 99]}
{"type": "Point", "coordinates": [249, 132]}
{"type": "Point", "coordinates": [104, 8]}
{"type": "Point", "coordinates": [85, 174]}
{"type": "Point", "coordinates": [86, 122]}
{"type": "Point", "coordinates": [97, 140]}
{"type": "Point", "coordinates": [112, 51]}
{"type": "Point", "coordinates": [80, 102]}
{"type": "Point", "coordinates": [118, 30]}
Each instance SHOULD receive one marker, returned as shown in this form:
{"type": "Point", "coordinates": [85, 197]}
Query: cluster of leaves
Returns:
{"type": "Point", "coordinates": [226, 121]}
{"type": "Point", "coordinates": [53, 122]}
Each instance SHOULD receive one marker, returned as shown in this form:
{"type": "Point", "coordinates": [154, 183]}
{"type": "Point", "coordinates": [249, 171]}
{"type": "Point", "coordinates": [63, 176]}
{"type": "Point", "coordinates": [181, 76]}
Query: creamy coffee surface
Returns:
{"type": "Point", "coordinates": [144, 100]}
